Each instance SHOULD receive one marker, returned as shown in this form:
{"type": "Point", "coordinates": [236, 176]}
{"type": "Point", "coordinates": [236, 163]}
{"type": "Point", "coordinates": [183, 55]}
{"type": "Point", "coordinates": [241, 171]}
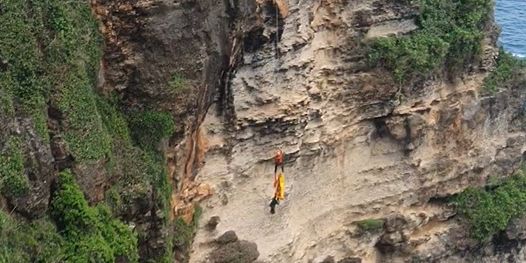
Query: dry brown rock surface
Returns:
{"type": "Point", "coordinates": [357, 146]}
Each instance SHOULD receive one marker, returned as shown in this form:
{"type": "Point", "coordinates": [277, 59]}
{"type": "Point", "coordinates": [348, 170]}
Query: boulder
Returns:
{"type": "Point", "coordinates": [240, 251]}
{"type": "Point", "coordinates": [227, 237]}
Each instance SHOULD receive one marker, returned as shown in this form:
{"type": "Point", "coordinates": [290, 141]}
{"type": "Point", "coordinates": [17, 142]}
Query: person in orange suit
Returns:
{"type": "Point", "coordinates": [279, 181]}
{"type": "Point", "coordinates": [279, 160]}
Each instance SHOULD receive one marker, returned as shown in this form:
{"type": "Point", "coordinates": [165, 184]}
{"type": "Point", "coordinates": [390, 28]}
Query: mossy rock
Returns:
{"type": "Point", "coordinates": [371, 225]}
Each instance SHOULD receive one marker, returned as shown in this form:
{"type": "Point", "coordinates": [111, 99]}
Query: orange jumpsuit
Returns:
{"type": "Point", "coordinates": [279, 186]}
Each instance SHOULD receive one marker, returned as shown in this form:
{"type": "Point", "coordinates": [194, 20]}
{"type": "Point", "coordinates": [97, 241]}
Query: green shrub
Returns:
{"type": "Point", "coordinates": [29, 242]}
{"type": "Point", "coordinates": [138, 171]}
{"type": "Point", "coordinates": [149, 127]}
{"type": "Point", "coordinates": [87, 234]}
{"type": "Point", "coordinates": [134, 179]}
{"type": "Point", "coordinates": [91, 233]}
{"type": "Point", "coordinates": [507, 71]}
{"type": "Point", "coordinates": [159, 178]}
{"type": "Point", "coordinates": [13, 181]}
{"type": "Point", "coordinates": [88, 248]}
{"type": "Point", "coordinates": [449, 35]}
{"type": "Point", "coordinates": [371, 225]}
{"type": "Point", "coordinates": [113, 199]}
{"type": "Point", "coordinates": [489, 211]}
{"type": "Point", "coordinates": [69, 208]}
{"type": "Point", "coordinates": [183, 234]}
{"type": "Point", "coordinates": [48, 245]}
{"type": "Point", "coordinates": [113, 120]}
{"type": "Point", "coordinates": [198, 212]}
{"type": "Point", "coordinates": [118, 235]}
{"type": "Point", "coordinates": [138, 168]}
{"type": "Point", "coordinates": [419, 54]}
{"type": "Point", "coordinates": [74, 38]}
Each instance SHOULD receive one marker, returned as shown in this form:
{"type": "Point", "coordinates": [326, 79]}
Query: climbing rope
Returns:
{"type": "Point", "coordinates": [276, 7]}
{"type": "Point", "coordinates": [276, 50]}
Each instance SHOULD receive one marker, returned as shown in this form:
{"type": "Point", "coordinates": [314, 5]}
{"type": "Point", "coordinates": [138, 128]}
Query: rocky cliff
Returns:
{"type": "Point", "coordinates": [167, 111]}
{"type": "Point", "coordinates": [359, 145]}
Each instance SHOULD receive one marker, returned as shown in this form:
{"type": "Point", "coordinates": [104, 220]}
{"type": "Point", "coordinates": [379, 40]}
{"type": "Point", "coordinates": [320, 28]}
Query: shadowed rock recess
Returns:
{"type": "Point", "coordinates": [144, 131]}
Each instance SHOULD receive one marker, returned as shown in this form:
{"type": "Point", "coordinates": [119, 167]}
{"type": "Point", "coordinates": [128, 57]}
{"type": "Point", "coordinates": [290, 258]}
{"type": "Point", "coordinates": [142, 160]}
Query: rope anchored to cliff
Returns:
{"type": "Point", "coordinates": [276, 38]}
{"type": "Point", "coordinates": [279, 178]}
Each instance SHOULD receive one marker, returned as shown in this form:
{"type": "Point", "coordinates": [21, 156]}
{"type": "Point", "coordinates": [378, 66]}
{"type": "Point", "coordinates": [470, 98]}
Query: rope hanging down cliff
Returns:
{"type": "Point", "coordinates": [276, 38]}
{"type": "Point", "coordinates": [279, 178]}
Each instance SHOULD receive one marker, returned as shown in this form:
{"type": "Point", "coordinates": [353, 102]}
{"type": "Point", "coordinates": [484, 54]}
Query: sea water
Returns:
{"type": "Point", "coordinates": [511, 17]}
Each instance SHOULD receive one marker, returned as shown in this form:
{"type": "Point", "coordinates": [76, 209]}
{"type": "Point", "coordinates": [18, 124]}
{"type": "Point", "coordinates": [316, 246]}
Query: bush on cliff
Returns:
{"type": "Point", "coordinates": [489, 211]}
{"type": "Point", "coordinates": [90, 232]}
{"type": "Point", "coordinates": [508, 71]}
{"type": "Point", "coordinates": [449, 36]}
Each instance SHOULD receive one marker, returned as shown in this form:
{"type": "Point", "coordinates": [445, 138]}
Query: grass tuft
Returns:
{"type": "Point", "coordinates": [371, 225]}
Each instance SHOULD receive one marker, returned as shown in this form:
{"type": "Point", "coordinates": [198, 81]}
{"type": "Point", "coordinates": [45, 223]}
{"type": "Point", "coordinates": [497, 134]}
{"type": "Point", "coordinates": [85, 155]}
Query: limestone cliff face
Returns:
{"type": "Point", "coordinates": [242, 78]}
{"type": "Point", "coordinates": [172, 56]}
{"type": "Point", "coordinates": [357, 145]}
{"type": "Point", "coordinates": [261, 74]}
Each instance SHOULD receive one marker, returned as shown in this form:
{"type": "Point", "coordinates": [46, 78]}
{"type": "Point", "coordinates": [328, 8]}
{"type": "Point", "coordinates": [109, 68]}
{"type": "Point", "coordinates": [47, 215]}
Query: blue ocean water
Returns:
{"type": "Point", "coordinates": [511, 16]}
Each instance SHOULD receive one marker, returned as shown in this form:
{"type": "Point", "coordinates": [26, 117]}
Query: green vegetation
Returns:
{"type": "Point", "coordinates": [159, 179]}
{"type": "Point", "coordinates": [450, 34]}
{"type": "Point", "coordinates": [84, 234]}
{"type": "Point", "coordinates": [135, 160]}
{"type": "Point", "coordinates": [184, 232]}
{"type": "Point", "coordinates": [24, 75]}
{"type": "Point", "coordinates": [90, 233]}
{"type": "Point", "coordinates": [371, 225]}
{"type": "Point", "coordinates": [6, 101]}
{"type": "Point", "coordinates": [509, 69]}
{"type": "Point", "coordinates": [149, 127]}
{"type": "Point", "coordinates": [13, 181]}
{"type": "Point", "coordinates": [53, 47]}
{"type": "Point", "coordinates": [134, 183]}
{"type": "Point", "coordinates": [29, 242]}
{"type": "Point", "coordinates": [84, 133]}
{"type": "Point", "coordinates": [489, 211]}
{"type": "Point", "coordinates": [49, 57]}
{"type": "Point", "coordinates": [177, 83]}
{"type": "Point", "coordinates": [113, 120]}
{"type": "Point", "coordinates": [73, 58]}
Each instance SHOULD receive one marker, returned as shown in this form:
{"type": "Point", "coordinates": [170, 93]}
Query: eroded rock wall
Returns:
{"type": "Point", "coordinates": [170, 56]}
{"type": "Point", "coordinates": [290, 74]}
{"type": "Point", "coordinates": [357, 145]}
